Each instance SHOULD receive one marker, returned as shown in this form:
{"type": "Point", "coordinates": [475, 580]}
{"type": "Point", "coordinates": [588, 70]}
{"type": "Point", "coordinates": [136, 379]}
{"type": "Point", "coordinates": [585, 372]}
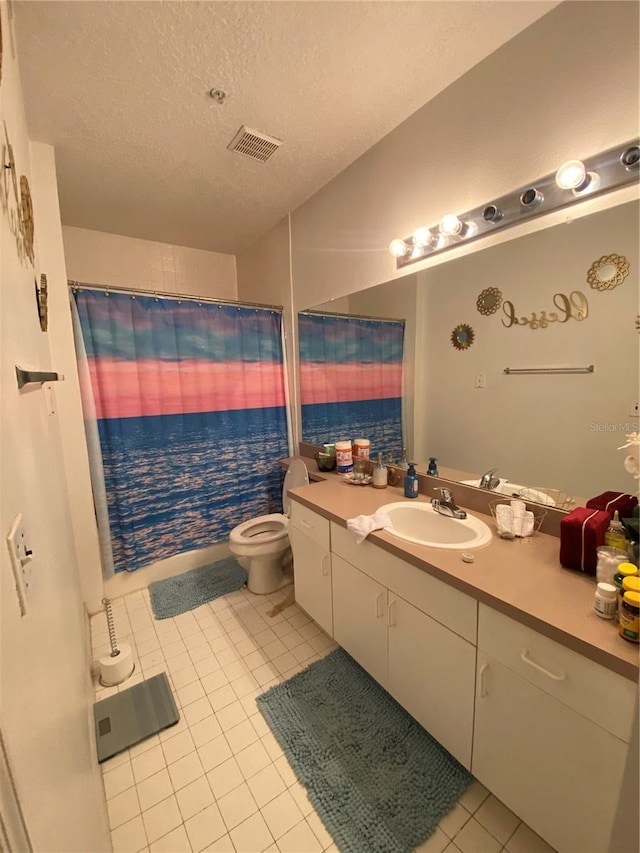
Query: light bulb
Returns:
{"type": "Point", "coordinates": [591, 184]}
{"type": "Point", "coordinates": [417, 252]}
{"type": "Point", "coordinates": [571, 175]}
{"type": "Point", "coordinates": [442, 241]}
{"type": "Point", "coordinates": [450, 225]}
{"type": "Point", "coordinates": [470, 229]}
{"type": "Point", "coordinates": [422, 237]}
{"type": "Point", "coordinates": [398, 248]}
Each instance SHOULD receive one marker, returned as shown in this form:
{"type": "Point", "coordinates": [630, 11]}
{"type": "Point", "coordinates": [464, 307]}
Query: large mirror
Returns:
{"type": "Point", "coordinates": [555, 305]}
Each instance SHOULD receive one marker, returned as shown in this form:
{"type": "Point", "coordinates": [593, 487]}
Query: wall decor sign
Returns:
{"type": "Point", "coordinates": [16, 203]}
{"type": "Point", "coordinates": [462, 336]}
{"type": "Point", "coordinates": [489, 301]}
{"type": "Point", "coordinates": [608, 272]}
{"type": "Point", "coordinates": [571, 307]}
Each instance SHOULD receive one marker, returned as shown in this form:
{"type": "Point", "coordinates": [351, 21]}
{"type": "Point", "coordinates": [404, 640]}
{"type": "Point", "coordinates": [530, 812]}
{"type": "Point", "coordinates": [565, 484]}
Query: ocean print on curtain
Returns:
{"type": "Point", "coordinates": [190, 405]}
{"type": "Point", "coordinates": [351, 380]}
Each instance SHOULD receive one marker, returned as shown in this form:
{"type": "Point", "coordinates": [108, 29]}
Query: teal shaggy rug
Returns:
{"type": "Point", "coordinates": [187, 591]}
{"type": "Point", "coordinates": [378, 780]}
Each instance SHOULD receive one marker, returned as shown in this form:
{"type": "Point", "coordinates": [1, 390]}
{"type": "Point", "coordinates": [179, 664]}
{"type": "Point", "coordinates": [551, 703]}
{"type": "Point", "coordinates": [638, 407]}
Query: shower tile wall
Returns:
{"type": "Point", "coordinates": [218, 781]}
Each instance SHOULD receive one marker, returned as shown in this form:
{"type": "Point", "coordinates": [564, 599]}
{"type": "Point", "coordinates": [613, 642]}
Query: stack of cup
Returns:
{"type": "Point", "coordinates": [608, 561]}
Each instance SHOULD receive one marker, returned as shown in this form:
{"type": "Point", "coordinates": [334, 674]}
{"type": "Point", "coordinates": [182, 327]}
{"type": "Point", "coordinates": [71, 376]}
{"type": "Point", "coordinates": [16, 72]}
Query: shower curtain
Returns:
{"type": "Point", "coordinates": [351, 380]}
{"type": "Point", "coordinates": [189, 406]}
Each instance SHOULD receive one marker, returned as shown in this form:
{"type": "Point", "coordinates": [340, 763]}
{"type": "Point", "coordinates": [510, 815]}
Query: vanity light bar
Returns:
{"type": "Point", "coordinates": [589, 369]}
{"type": "Point", "coordinates": [574, 181]}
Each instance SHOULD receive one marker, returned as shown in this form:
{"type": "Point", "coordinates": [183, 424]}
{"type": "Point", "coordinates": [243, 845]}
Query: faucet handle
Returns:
{"type": "Point", "coordinates": [446, 493]}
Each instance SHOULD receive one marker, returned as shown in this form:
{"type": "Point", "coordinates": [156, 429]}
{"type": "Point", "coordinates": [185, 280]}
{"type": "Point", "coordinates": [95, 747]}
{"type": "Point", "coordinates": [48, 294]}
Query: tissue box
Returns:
{"type": "Point", "coordinates": [581, 532]}
{"type": "Point", "coordinates": [612, 501]}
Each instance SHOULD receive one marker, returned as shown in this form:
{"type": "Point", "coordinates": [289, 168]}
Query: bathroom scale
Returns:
{"type": "Point", "coordinates": [134, 714]}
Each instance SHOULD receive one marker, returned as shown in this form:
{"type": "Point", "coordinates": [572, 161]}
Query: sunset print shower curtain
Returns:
{"type": "Point", "coordinates": [190, 406]}
{"type": "Point", "coordinates": [351, 380]}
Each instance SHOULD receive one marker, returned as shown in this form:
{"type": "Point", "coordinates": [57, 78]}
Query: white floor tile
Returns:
{"type": "Point", "coordinates": [123, 807]}
{"type": "Point", "coordinates": [237, 806]}
{"type": "Point", "coordinates": [178, 746]}
{"type": "Point", "coordinates": [266, 785]}
{"type": "Point", "coordinates": [303, 802]}
{"type": "Point", "coordinates": [284, 769]}
{"type": "Point", "coordinates": [130, 837]}
{"type": "Point", "coordinates": [225, 778]}
{"type": "Point", "coordinates": [251, 835]}
{"type": "Point", "coordinates": [184, 675]}
{"type": "Point", "coordinates": [185, 770]}
{"type": "Point", "coordinates": [299, 839]}
{"type": "Point", "coordinates": [190, 692]}
{"type": "Point", "coordinates": [474, 796]}
{"type": "Point", "coordinates": [281, 814]}
{"type": "Point", "coordinates": [214, 752]}
{"type": "Point", "coordinates": [214, 680]}
{"type": "Point", "coordinates": [161, 818]}
{"type": "Point", "coordinates": [148, 763]}
{"type": "Point", "coordinates": [436, 843]}
{"type": "Point", "coordinates": [205, 730]}
{"type": "Point", "coordinates": [497, 819]}
{"type": "Point", "coordinates": [319, 830]}
{"type": "Point", "coordinates": [524, 840]}
{"type": "Point", "coordinates": [222, 845]}
{"type": "Point", "coordinates": [197, 711]}
{"type": "Point", "coordinates": [231, 715]}
{"type": "Point", "coordinates": [241, 736]}
{"type": "Point", "coordinates": [175, 841]}
{"type": "Point", "coordinates": [118, 780]}
{"type": "Point", "coordinates": [154, 789]}
{"type": "Point", "coordinates": [454, 820]}
{"type": "Point", "coordinates": [205, 827]}
{"type": "Point", "coordinates": [252, 758]}
{"type": "Point", "coordinates": [474, 838]}
{"type": "Point", "coordinates": [194, 797]}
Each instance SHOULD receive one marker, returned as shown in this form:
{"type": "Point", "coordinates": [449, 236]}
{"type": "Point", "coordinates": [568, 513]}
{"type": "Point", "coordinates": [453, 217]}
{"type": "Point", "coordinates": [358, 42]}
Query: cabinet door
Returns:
{"type": "Point", "coordinates": [312, 577]}
{"type": "Point", "coordinates": [558, 771]}
{"type": "Point", "coordinates": [432, 675]}
{"type": "Point", "coordinates": [360, 617]}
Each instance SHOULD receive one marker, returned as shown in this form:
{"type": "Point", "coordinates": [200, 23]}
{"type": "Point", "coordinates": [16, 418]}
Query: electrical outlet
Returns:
{"type": "Point", "coordinates": [480, 380]}
{"type": "Point", "coordinates": [20, 556]}
{"type": "Point", "coordinates": [634, 410]}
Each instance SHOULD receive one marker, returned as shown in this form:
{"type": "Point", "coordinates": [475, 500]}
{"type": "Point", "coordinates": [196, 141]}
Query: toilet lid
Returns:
{"type": "Point", "coordinates": [297, 475]}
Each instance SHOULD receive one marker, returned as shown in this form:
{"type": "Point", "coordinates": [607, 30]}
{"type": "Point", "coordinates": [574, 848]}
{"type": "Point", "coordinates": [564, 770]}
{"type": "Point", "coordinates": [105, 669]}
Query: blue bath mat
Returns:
{"type": "Point", "coordinates": [181, 593]}
{"type": "Point", "coordinates": [378, 780]}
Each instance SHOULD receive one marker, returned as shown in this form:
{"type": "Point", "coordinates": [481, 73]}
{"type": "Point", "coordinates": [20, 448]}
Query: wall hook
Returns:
{"type": "Point", "coordinates": [26, 376]}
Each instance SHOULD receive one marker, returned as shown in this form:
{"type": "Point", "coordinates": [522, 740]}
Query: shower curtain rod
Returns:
{"type": "Point", "coordinates": [83, 285]}
{"type": "Point", "coordinates": [351, 316]}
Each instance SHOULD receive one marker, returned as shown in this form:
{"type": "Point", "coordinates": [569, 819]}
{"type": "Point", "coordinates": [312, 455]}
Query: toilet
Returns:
{"type": "Point", "coordinates": [261, 545]}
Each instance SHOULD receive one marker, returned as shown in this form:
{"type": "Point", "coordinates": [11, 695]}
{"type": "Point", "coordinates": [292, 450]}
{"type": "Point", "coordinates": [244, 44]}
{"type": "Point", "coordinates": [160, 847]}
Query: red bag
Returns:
{"type": "Point", "coordinates": [612, 501]}
{"type": "Point", "coordinates": [581, 532]}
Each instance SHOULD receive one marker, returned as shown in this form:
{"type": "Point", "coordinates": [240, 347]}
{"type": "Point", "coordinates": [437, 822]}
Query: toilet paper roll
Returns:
{"type": "Point", "coordinates": [114, 670]}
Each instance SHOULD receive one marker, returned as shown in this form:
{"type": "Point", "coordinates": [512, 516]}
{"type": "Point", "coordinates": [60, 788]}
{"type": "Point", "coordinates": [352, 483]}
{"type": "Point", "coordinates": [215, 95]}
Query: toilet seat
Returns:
{"type": "Point", "coordinates": [262, 530]}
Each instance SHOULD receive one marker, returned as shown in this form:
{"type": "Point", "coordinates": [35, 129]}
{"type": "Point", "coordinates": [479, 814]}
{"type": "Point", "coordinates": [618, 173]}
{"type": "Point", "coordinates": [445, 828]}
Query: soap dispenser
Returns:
{"type": "Point", "coordinates": [411, 482]}
{"type": "Point", "coordinates": [433, 468]}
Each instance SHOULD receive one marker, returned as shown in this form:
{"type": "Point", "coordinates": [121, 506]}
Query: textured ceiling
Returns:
{"type": "Point", "coordinates": [121, 90]}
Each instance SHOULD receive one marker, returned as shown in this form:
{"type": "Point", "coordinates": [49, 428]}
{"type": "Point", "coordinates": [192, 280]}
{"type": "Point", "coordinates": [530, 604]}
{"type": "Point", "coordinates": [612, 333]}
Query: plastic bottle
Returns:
{"type": "Point", "coordinates": [630, 617]}
{"type": "Point", "coordinates": [433, 468]}
{"type": "Point", "coordinates": [606, 603]}
{"type": "Point", "coordinates": [402, 462]}
{"type": "Point", "coordinates": [625, 570]}
{"type": "Point", "coordinates": [411, 482]}
{"type": "Point", "coordinates": [615, 536]}
{"type": "Point", "coordinates": [380, 474]}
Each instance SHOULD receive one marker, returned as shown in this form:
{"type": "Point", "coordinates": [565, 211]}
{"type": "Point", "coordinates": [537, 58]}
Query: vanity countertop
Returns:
{"type": "Point", "coordinates": [522, 578]}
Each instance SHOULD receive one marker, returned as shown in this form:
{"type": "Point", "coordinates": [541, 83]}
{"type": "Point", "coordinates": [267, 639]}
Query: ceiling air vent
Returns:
{"type": "Point", "coordinates": [254, 144]}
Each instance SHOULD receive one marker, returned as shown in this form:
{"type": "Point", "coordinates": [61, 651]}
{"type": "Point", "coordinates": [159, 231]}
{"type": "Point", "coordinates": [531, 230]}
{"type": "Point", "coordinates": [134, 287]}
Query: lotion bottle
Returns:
{"type": "Point", "coordinates": [380, 474]}
{"type": "Point", "coordinates": [411, 482]}
{"type": "Point", "coordinates": [615, 536]}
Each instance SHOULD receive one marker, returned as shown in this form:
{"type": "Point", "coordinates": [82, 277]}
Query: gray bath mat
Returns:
{"type": "Point", "coordinates": [187, 591]}
{"type": "Point", "coordinates": [378, 780]}
{"type": "Point", "coordinates": [134, 714]}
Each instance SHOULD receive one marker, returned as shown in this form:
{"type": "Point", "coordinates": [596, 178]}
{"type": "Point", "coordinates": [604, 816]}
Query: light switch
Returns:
{"type": "Point", "coordinates": [20, 555]}
{"type": "Point", "coordinates": [480, 380]}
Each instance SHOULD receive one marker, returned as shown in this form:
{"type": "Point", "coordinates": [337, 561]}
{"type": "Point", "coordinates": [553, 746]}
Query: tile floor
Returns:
{"type": "Point", "coordinates": [218, 781]}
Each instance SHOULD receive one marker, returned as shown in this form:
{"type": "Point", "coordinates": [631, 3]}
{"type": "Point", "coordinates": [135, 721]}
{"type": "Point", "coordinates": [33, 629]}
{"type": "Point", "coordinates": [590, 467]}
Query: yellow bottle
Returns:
{"type": "Point", "coordinates": [615, 536]}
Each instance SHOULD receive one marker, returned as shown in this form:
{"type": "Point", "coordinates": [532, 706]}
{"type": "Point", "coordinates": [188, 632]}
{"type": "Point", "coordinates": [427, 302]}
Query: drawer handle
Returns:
{"type": "Point", "coordinates": [524, 657]}
{"type": "Point", "coordinates": [379, 604]}
{"type": "Point", "coordinates": [483, 689]}
{"type": "Point", "coordinates": [325, 568]}
{"type": "Point", "coordinates": [391, 615]}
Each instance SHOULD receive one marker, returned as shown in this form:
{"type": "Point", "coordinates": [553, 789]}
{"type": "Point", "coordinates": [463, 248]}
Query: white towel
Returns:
{"type": "Point", "coordinates": [362, 525]}
{"type": "Point", "coordinates": [514, 520]}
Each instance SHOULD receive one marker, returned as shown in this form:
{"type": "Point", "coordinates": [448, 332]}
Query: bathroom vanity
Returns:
{"type": "Point", "coordinates": [502, 660]}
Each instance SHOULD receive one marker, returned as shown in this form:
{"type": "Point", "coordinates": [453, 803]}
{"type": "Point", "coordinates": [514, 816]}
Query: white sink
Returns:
{"type": "Point", "coordinates": [524, 493]}
{"type": "Point", "coordinates": [420, 523]}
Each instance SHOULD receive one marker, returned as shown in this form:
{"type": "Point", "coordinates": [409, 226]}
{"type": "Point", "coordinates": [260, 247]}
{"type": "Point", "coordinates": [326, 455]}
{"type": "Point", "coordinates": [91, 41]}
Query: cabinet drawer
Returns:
{"type": "Point", "coordinates": [442, 602]}
{"type": "Point", "coordinates": [592, 690]}
{"type": "Point", "coordinates": [310, 523]}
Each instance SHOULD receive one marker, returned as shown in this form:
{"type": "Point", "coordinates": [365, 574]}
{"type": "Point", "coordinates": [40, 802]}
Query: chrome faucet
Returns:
{"type": "Point", "coordinates": [446, 505]}
{"type": "Point", "coordinates": [489, 481]}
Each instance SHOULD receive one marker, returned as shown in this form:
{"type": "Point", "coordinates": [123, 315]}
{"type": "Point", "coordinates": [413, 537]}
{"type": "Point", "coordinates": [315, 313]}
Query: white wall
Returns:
{"type": "Point", "coordinates": [45, 710]}
{"type": "Point", "coordinates": [94, 257]}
